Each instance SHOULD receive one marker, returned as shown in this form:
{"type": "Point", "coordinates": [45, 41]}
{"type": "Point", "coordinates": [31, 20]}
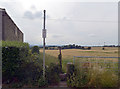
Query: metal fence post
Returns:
{"type": "Point", "coordinates": [73, 59]}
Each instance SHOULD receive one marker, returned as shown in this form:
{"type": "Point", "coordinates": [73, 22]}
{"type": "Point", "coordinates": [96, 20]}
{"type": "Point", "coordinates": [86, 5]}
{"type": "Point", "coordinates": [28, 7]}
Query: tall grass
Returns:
{"type": "Point", "coordinates": [64, 64]}
{"type": "Point", "coordinates": [94, 73]}
{"type": "Point", "coordinates": [49, 59]}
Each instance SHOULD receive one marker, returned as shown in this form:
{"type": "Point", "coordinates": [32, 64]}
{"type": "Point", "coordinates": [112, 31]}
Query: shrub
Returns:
{"type": "Point", "coordinates": [103, 48]}
{"type": "Point", "coordinates": [35, 49]}
{"type": "Point", "coordinates": [78, 77]}
{"type": "Point", "coordinates": [21, 67]}
{"type": "Point", "coordinates": [10, 62]}
{"type": "Point", "coordinates": [14, 44]}
{"type": "Point", "coordinates": [41, 82]}
{"type": "Point", "coordinates": [52, 73]}
{"type": "Point", "coordinates": [89, 48]}
{"type": "Point", "coordinates": [70, 69]}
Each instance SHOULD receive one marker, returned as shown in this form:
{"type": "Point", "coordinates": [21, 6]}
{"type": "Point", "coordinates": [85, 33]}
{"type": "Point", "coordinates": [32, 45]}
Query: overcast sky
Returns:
{"type": "Point", "coordinates": [73, 22]}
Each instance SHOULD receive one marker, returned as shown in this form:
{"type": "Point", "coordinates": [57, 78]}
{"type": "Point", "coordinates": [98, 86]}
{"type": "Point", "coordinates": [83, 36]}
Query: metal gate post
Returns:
{"type": "Point", "coordinates": [73, 59]}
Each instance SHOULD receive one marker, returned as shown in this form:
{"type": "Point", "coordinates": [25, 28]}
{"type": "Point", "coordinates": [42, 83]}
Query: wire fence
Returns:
{"type": "Point", "coordinates": [99, 62]}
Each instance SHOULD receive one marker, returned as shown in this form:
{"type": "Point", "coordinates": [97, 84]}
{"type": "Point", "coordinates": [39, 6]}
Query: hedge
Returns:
{"type": "Point", "coordinates": [14, 55]}
{"type": "Point", "coordinates": [20, 67]}
{"type": "Point", "coordinates": [14, 44]}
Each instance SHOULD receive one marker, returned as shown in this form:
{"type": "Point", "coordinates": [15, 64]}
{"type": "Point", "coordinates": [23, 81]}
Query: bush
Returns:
{"type": "Point", "coordinates": [41, 82]}
{"type": "Point", "coordinates": [70, 69]}
{"type": "Point", "coordinates": [16, 64]}
{"type": "Point", "coordinates": [15, 44]}
{"type": "Point", "coordinates": [89, 48]}
{"type": "Point", "coordinates": [52, 73]}
{"type": "Point", "coordinates": [77, 77]}
{"type": "Point", "coordinates": [35, 49]}
{"type": "Point", "coordinates": [21, 67]}
{"type": "Point", "coordinates": [11, 62]}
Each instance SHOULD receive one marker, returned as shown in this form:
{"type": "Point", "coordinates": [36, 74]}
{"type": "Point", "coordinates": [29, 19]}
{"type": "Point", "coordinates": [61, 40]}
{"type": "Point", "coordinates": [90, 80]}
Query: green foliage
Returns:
{"type": "Point", "coordinates": [86, 76]}
{"type": "Point", "coordinates": [33, 65]}
{"type": "Point", "coordinates": [17, 85]}
{"type": "Point", "coordinates": [10, 62]}
{"type": "Point", "coordinates": [77, 78]}
{"type": "Point", "coordinates": [35, 49]}
{"type": "Point", "coordinates": [41, 82]}
{"type": "Point", "coordinates": [52, 73]}
{"type": "Point", "coordinates": [49, 59]}
{"type": "Point", "coordinates": [64, 64]}
{"type": "Point", "coordinates": [108, 79]}
{"type": "Point", "coordinates": [70, 69]}
{"type": "Point", "coordinates": [14, 44]}
{"type": "Point", "coordinates": [71, 81]}
{"type": "Point", "coordinates": [21, 67]}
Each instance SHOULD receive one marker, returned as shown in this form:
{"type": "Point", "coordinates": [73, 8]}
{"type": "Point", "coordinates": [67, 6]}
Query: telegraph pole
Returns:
{"type": "Point", "coordinates": [44, 36]}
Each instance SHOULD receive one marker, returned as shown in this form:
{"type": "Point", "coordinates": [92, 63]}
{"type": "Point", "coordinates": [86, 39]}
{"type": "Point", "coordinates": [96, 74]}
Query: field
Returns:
{"type": "Point", "coordinates": [67, 54]}
{"type": "Point", "coordinates": [104, 70]}
{"type": "Point", "coordinates": [95, 51]}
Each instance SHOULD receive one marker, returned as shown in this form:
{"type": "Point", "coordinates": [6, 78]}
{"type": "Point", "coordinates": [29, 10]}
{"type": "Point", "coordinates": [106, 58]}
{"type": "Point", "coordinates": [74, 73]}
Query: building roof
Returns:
{"type": "Point", "coordinates": [2, 9]}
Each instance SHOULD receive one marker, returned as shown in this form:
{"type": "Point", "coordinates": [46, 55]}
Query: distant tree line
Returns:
{"type": "Point", "coordinates": [70, 46]}
{"type": "Point", "coordinates": [75, 47]}
{"type": "Point", "coordinates": [111, 46]}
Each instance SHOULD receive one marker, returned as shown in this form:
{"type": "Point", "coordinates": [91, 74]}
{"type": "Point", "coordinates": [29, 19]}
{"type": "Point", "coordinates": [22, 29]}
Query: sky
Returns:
{"type": "Point", "coordinates": [81, 22]}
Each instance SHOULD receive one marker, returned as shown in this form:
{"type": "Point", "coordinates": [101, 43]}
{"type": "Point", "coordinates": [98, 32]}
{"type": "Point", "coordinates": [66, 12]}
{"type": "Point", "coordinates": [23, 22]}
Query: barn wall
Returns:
{"type": "Point", "coordinates": [0, 24]}
{"type": "Point", "coordinates": [11, 31]}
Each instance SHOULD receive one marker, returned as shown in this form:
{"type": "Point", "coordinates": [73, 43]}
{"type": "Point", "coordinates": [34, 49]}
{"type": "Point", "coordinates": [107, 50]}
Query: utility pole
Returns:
{"type": "Point", "coordinates": [44, 36]}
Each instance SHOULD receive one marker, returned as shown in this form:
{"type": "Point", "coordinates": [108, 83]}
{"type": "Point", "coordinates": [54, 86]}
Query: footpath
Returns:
{"type": "Point", "coordinates": [62, 83]}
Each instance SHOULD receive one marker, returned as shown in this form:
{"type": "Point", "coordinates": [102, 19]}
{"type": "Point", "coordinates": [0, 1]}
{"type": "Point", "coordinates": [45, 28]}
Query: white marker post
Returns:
{"type": "Point", "coordinates": [44, 36]}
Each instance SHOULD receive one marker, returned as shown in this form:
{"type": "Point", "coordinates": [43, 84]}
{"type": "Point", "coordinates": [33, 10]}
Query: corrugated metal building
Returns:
{"type": "Point", "coordinates": [8, 29]}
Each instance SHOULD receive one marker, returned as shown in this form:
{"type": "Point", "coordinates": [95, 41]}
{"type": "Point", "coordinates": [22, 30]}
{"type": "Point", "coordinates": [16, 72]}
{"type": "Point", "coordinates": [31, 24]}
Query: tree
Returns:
{"type": "Point", "coordinates": [35, 49]}
{"type": "Point", "coordinates": [89, 48]}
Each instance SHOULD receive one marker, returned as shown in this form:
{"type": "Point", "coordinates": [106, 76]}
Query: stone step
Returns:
{"type": "Point", "coordinates": [63, 77]}
{"type": "Point", "coordinates": [63, 84]}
